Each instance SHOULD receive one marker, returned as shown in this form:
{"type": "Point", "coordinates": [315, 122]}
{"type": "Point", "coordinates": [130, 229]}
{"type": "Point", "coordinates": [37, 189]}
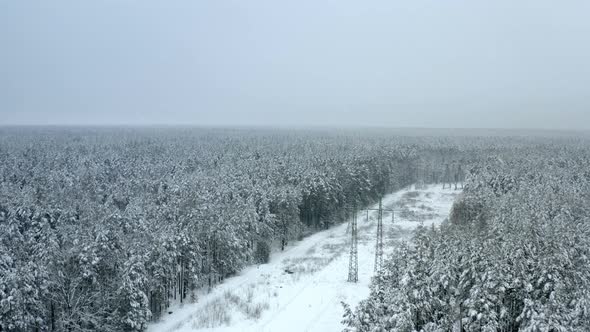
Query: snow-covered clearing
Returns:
{"type": "Point", "coordinates": [266, 298]}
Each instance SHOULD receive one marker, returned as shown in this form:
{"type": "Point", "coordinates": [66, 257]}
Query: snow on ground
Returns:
{"type": "Point", "coordinates": [266, 298]}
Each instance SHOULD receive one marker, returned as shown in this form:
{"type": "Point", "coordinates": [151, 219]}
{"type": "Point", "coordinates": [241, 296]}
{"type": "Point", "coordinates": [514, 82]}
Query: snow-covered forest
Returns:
{"type": "Point", "coordinates": [513, 256]}
{"type": "Point", "coordinates": [103, 229]}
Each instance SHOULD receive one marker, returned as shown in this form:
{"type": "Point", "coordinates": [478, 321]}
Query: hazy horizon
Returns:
{"type": "Point", "coordinates": [387, 64]}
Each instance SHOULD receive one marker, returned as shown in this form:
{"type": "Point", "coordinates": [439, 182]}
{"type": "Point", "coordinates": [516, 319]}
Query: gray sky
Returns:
{"type": "Point", "coordinates": [416, 63]}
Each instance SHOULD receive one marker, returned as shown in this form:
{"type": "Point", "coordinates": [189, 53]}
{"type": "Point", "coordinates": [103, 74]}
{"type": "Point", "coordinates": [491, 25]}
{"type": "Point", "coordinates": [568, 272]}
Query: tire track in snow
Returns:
{"type": "Point", "coordinates": [299, 291]}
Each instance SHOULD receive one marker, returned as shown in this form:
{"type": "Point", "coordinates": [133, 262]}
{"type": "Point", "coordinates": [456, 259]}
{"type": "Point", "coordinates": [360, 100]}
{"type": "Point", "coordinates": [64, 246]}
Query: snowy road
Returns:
{"type": "Point", "coordinates": [266, 298]}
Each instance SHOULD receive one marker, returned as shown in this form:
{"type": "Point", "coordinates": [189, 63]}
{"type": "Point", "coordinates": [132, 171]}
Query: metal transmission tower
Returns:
{"type": "Point", "coordinates": [447, 177]}
{"type": "Point", "coordinates": [379, 244]}
{"type": "Point", "coordinates": [352, 227]}
{"type": "Point", "coordinates": [459, 176]}
{"type": "Point", "coordinates": [353, 265]}
{"type": "Point", "coordinates": [379, 238]}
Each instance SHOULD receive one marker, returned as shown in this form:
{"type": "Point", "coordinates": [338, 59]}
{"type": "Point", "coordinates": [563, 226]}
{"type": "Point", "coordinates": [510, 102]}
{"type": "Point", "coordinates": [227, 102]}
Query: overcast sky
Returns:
{"type": "Point", "coordinates": [415, 63]}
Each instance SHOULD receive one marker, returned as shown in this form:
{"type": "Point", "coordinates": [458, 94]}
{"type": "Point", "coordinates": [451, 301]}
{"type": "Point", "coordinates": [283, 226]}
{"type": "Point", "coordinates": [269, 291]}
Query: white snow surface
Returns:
{"type": "Point", "coordinates": [308, 299]}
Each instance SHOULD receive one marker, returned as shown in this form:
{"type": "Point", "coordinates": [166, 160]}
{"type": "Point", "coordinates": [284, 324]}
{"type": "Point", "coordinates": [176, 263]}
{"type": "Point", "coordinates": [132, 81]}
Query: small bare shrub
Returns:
{"type": "Point", "coordinates": [214, 314]}
{"type": "Point", "coordinates": [255, 311]}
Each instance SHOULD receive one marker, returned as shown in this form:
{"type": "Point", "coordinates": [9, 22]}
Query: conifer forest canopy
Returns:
{"type": "Point", "coordinates": [102, 228]}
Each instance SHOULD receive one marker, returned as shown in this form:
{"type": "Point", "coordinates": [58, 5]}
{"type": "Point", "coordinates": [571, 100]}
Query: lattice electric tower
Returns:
{"type": "Point", "coordinates": [353, 265]}
{"type": "Point", "coordinates": [352, 227]}
{"type": "Point", "coordinates": [447, 177]}
{"type": "Point", "coordinates": [379, 244]}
